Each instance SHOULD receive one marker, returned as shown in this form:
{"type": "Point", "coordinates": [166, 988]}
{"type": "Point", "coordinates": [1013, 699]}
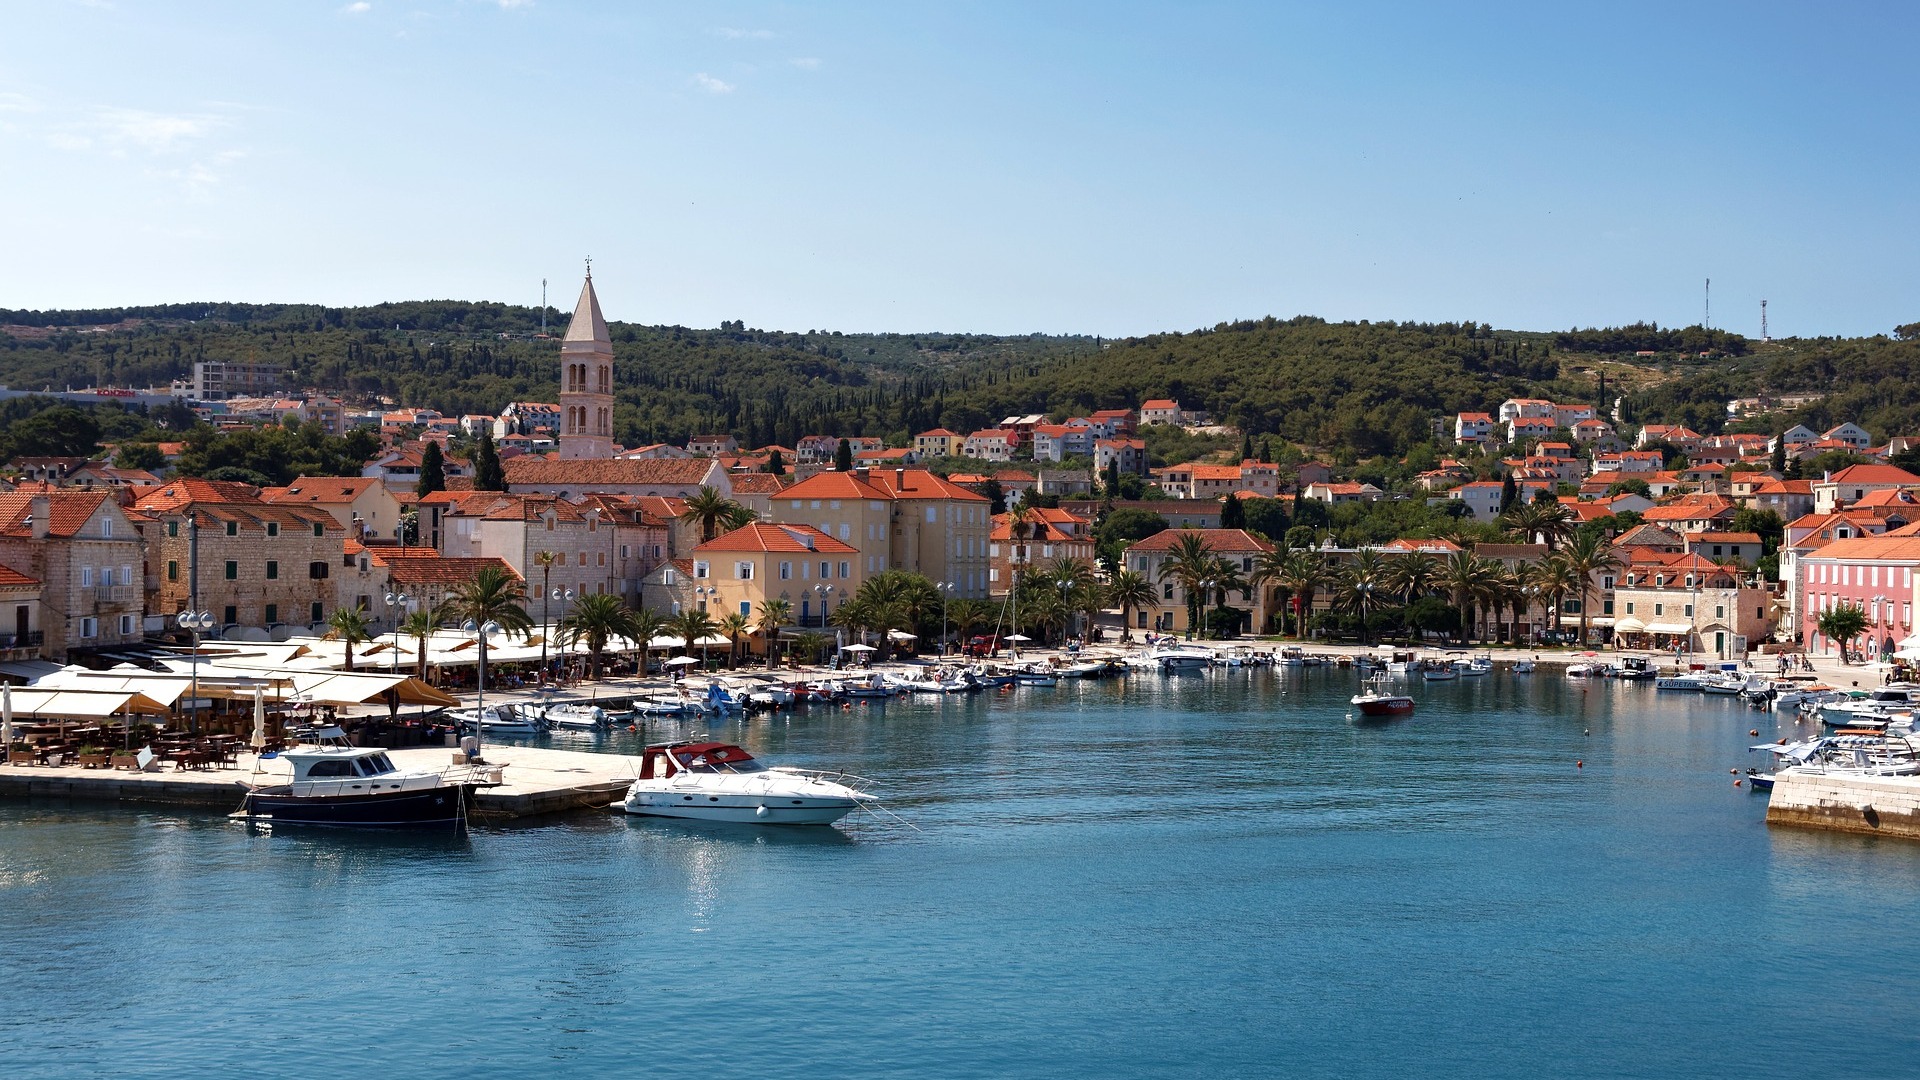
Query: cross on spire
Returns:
{"type": "Point", "coordinates": [589, 266]}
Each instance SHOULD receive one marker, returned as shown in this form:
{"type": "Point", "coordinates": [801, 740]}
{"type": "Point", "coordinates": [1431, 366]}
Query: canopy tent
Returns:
{"type": "Point", "coordinates": [683, 661]}
{"type": "Point", "coordinates": [858, 648]}
{"type": "Point", "coordinates": [166, 689]}
{"type": "Point", "coordinates": [901, 635]}
{"type": "Point", "coordinates": [321, 686]}
{"type": "Point", "coordinates": [81, 704]}
{"type": "Point", "coordinates": [1669, 628]}
{"type": "Point", "coordinates": [710, 641]}
{"type": "Point", "coordinates": [1629, 625]}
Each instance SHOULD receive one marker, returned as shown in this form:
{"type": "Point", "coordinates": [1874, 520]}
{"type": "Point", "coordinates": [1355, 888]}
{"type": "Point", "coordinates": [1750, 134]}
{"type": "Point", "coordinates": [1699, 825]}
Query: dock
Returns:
{"type": "Point", "coordinates": [1874, 805]}
{"type": "Point", "coordinates": [534, 781]}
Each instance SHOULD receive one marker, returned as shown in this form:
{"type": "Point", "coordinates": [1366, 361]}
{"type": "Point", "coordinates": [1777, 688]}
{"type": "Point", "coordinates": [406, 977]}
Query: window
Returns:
{"type": "Point", "coordinates": [106, 528]}
{"type": "Point", "coordinates": [1606, 582]}
{"type": "Point", "coordinates": [700, 569]}
{"type": "Point", "coordinates": [561, 559]}
{"type": "Point", "coordinates": [126, 624]}
{"type": "Point", "coordinates": [229, 615]}
{"type": "Point", "coordinates": [126, 575]}
{"type": "Point", "coordinates": [273, 529]}
{"type": "Point", "coordinates": [233, 528]}
{"type": "Point", "coordinates": [317, 613]}
{"type": "Point", "coordinates": [1659, 609]}
{"type": "Point", "coordinates": [233, 573]}
{"type": "Point", "coordinates": [746, 608]}
{"type": "Point", "coordinates": [549, 524]}
{"type": "Point", "coordinates": [667, 577]}
{"type": "Point", "coordinates": [846, 569]}
{"type": "Point", "coordinates": [89, 627]}
{"type": "Point", "coordinates": [1166, 591]}
{"type": "Point", "coordinates": [273, 614]}
{"type": "Point", "coordinates": [1719, 611]}
{"type": "Point", "coordinates": [173, 528]}
{"type": "Point", "coordinates": [743, 571]}
{"type": "Point", "coordinates": [1629, 607]}
{"type": "Point", "coordinates": [1606, 607]}
{"type": "Point", "coordinates": [1687, 610]}
{"type": "Point", "coordinates": [173, 569]}
{"type": "Point", "coordinates": [601, 558]}
{"type": "Point", "coordinates": [86, 577]}
{"type": "Point", "coordinates": [317, 571]}
{"type": "Point", "coordinates": [933, 515]}
{"type": "Point", "coordinates": [319, 528]}
{"type": "Point", "coordinates": [786, 571]}
{"type": "Point", "coordinates": [826, 571]}
{"type": "Point", "coordinates": [273, 571]}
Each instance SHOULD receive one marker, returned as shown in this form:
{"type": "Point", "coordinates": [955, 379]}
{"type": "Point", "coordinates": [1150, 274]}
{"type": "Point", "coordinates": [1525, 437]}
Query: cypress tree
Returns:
{"type": "Point", "coordinates": [1233, 513]}
{"type": "Point", "coordinates": [843, 457]}
{"type": "Point", "coordinates": [1779, 460]}
{"type": "Point", "coordinates": [433, 471]}
{"type": "Point", "coordinates": [1509, 493]}
{"type": "Point", "coordinates": [776, 464]}
{"type": "Point", "coordinates": [487, 474]}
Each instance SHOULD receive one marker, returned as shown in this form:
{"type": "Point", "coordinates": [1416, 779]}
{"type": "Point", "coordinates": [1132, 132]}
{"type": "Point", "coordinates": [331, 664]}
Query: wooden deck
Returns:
{"type": "Point", "coordinates": [535, 781]}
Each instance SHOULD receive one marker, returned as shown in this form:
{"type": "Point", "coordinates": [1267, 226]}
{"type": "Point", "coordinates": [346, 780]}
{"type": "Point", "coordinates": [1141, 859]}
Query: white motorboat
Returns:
{"type": "Point", "coordinates": [576, 716]}
{"type": "Point", "coordinates": [1523, 667]}
{"type": "Point", "coordinates": [1177, 658]}
{"type": "Point", "coordinates": [716, 781]}
{"type": "Point", "coordinates": [1085, 669]}
{"type": "Point", "coordinates": [875, 686]}
{"type": "Point", "coordinates": [1690, 681]}
{"type": "Point", "coordinates": [1476, 665]}
{"type": "Point", "coordinates": [1036, 677]}
{"type": "Point", "coordinates": [659, 707]}
{"type": "Point", "coordinates": [359, 787]}
{"type": "Point", "coordinates": [1440, 671]}
{"type": "Point", "coordinates": [497, 720]}
{"type": "Point", "coordinates": [1725, 682]}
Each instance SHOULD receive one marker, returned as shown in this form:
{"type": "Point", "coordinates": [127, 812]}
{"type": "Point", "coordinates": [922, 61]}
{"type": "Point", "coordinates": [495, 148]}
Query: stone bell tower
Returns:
{"type": "Point", "coordinates": [586, 381]}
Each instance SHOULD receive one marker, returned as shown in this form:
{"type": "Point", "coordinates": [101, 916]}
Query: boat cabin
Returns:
{"type": "Point", "coordinates": [338, 763]}
{"type": "Point", "coordinates": [671, 759]}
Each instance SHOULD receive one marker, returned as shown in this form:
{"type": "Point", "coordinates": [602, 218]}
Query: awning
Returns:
{"type": "Point", "coordinates": [1629, 625]}
{"type": "Point", "coordinates": [81, 704]}
{"type": "Point", "coordinates": [1669, 628]}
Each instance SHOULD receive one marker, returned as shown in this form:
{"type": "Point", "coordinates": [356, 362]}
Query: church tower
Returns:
{"type": "Point", "coordinates": [586, 381]}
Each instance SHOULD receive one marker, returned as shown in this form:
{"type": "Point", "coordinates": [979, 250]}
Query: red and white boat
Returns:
{"type": "Point", "coordinates": [1377, 704]}
{"type": "Point", "coordinates": [716, 781]}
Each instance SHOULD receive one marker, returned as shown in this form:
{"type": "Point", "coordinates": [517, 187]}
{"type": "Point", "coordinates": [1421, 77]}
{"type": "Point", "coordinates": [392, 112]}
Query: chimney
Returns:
{"type": "Point", "coordinates": [40, 507]}
{"type": "Point", "coordinates": [899, 479]}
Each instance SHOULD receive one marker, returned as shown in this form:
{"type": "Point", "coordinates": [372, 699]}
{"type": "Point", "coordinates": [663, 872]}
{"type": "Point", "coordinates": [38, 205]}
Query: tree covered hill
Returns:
{"type": "Point", "coordinates": [1356, 388]}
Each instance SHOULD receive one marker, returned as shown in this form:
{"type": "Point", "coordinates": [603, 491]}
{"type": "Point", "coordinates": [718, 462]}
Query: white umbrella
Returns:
{"type": "Point", "coordinates": [683, 661]}
{"type": "Point", "coordinates": [858, 648]}
{"type": "Point", "coordinates": [901, 635]}
{"type": "Point", "coordinates": [259, 718]}
{"type": "Point", "coordinates": [6, 720]}
{"type": "Point", "coordinates": [1016, 637]}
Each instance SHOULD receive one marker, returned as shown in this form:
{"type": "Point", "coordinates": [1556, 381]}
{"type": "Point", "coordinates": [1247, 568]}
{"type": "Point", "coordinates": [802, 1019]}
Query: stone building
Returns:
{"type": "Point", "coordinates": [86, 554]}
{"type": "Point", "coordinates": [260, 564]}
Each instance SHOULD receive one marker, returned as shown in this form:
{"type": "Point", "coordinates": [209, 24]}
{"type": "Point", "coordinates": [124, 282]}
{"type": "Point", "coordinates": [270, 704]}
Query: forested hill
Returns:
{"type": "Point", "coordinates": [1354, 388]}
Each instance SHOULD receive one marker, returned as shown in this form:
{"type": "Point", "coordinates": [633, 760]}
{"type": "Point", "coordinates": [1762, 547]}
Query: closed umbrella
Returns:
{"type": "Point", "coordinates": [259, 718]}
{"type": "Point", "coordinates": [6, 720]}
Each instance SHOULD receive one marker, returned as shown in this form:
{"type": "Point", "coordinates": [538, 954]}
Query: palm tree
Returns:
{"type": "Point", "coordinates": [1554, 523]}
{"type": "Point", "coordinates": [1076, 579]}
{"type": "Point", "coordinates": [710, 510]}
{"type": "Point", "coordinates": [691, 626]}
{"type": "Point", "coordinates": [774, 614]}
{"type": "Point", "coordinates": [1223, 577]}
{"type": "Point", "coordinates": [492, 595]}
{"type": "Point", "coordinates": [735, 626]}
{"type": "Point", "coordinates": [420, 626]}
{"type": "Point", "coordinates": [1550, 580]}
{"type": "Point", "coordinates": [647, 625]}
{"type": "Point", "coordinates": [1587, 555]}
{"type": "Point", "coordinates": [1269, 568]}
{"type": "Point", "coordinates": [1187, 566]}
{"type": "Point", "coordinates": [350, 626]}
{"type": "Point", "coordinates": [1048, 610]}
{"type": "Point", "coordinates": [1130, 589]}
{"type": "Point", "coordinates": [1522, 517]}
{"type": "Point", "coordinates": [1363, 586]}
{"type": "Point", "coordinates": [597, 618]}
{"type": "Point", "coordinates": [545, 559]}
{"type": "Point", "coordinates": [1465, 578]}
{"type": "Point", "coordinates": [1301, 577]}
{"type": "Point", "coordinates": [739, 517]}
{"type": "Point", "coordinates": [1504, 590]}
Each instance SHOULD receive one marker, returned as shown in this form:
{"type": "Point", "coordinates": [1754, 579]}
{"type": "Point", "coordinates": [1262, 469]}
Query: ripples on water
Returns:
{"type": "Point", "coordinates": [1209, 875]}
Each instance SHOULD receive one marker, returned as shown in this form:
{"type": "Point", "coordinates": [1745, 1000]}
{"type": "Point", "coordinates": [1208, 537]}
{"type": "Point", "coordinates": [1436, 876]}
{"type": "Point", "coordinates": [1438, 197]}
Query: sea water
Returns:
{"type": "Point", "coordinates": [1220, 874]}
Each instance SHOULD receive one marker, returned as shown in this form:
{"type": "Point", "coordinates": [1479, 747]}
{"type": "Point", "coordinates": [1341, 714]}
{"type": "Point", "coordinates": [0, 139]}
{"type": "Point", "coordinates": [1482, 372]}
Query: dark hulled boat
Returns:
{"type": "Point", "coordinates": [356, 787]}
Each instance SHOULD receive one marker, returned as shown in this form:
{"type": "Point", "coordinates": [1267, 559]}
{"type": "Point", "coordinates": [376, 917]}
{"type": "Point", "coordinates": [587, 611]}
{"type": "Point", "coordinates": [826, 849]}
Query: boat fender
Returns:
{"type": "Point", "coordinates": [1736, 783]}
{"type": "Point", "coordinates": [1579, 764]}
{"type": "Point", "coordinates": [1754, 732]}
{"type": "Point", "coordinates": [760, 811]}
{"type": "Point", "coordinates": [1735, 772]}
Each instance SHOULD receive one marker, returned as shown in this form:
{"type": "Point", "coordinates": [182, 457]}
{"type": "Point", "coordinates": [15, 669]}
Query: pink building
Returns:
{"type": "Point", "coordinates": [1873, 573]}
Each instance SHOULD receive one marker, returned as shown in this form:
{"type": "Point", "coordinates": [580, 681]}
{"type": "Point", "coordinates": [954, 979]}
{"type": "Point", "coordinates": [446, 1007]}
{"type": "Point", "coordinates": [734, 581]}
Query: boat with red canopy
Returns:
{"type": "Point", "coordinates": [716, 781]}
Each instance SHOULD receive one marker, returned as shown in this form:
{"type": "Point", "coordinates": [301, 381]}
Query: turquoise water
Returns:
{"type": "Point", "coordinates": [1209, 875]}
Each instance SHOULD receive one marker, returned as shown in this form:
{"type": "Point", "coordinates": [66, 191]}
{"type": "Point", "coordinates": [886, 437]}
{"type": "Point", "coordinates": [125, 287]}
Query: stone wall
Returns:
{"type": "Point", "coordinates": [1880, 805]}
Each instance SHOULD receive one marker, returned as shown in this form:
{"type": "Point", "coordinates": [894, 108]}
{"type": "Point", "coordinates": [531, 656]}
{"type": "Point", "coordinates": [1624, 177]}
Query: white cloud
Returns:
{"type": "Point", "coordinates": [735, 34]}
{"type": "Point", "coordinates": [155, 132]}
{"type": "Point", "coordinates": [18, 103]}
{"type": "Point", "coordinates": [806, 63]}
{"type": "Point", "coordinates": [712, 85]}
{"type": "Point", "coordinates": [360, 8]}
{"type": "Point", "coordinates": [67, 140]}
{"type": "Point", "coordinates": [509, 5]}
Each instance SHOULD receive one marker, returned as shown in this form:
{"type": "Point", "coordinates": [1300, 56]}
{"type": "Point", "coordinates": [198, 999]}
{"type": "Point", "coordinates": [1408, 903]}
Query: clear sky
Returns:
{"type": "Point", "coordinates": [1106, 167]}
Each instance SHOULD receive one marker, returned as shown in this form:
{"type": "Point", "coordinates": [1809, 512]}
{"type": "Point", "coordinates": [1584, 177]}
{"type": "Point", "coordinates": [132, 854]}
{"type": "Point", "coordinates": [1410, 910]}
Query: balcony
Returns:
{"type": "Point", "coordinates": [20, 646]}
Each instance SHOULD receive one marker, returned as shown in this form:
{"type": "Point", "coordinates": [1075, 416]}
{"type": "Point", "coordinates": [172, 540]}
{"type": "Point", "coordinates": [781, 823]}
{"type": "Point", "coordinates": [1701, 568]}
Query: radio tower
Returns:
{"type": "Point", "coordinates": [543, 307]}
{"type": "Point", "coordinates": [1763, 321]}
{"type": "Point", "coordinates": [1707, 321]}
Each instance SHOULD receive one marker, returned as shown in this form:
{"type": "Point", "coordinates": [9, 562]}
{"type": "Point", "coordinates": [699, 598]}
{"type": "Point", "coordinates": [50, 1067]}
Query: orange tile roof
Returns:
{"type": "Point", "coordinates": [834, 485]}
{"type": "Point", "coordinates": [11, 578]}
{"type": "Point", "coordinates": [1869, 548]}
{"type": "Point", "coordinates": [531, 469]}
{"type": "Point", "coordinates": [320, 490]}
{"type": "Point", "coordinates": [1213, 539]}
{"type": "Point", "coordinates": [186, 492]}
{"type": "Point", "coordinates": [761, 536]}
{"type": "Point", "coordinates": [755, 484]}
{"type": "Point", "coordinates": [1873, 474]}
{"type": "Point", "coordinates": [70, 511]}
{"type": "Point", "coordinates": [920, 484]}
{"type": "Point", "coordinates": [442, 571]}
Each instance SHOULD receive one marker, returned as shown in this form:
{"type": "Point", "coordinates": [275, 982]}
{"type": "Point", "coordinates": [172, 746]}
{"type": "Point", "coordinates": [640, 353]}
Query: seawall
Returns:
{"type": "Point", "coordinates": [1876, 805]}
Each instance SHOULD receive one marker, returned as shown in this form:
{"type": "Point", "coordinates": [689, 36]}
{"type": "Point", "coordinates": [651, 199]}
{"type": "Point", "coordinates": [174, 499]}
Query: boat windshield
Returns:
{"type": "Point", "coordinates": [719, 759]}
{"type": "Point", "coordinates": [376, 765]}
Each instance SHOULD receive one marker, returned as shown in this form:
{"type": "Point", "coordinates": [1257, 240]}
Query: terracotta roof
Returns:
{"type": "Point", "coordinates": [755, 484]}
{"type": "Point", "coordinates": [833, 485]}
{"type": "Point", "coordinates": [622, 471]}
{"type": "Point", "coordinates": [441, 571]}
{"type": "Point", "coordinates": [1868, 548]}
{"type": "Point", "coordinates": [320, 490]}
{"type": "Point", "coordinates": [920, 484]}
{"type": "Point", "coordinates": [11, 578]}
{"type": "Point", "coordinates": [1214, 539]}
{"type": "Point", "coordinates": [937, 433]}
{"type": "Point", "coordinates": [1873, 474]}
{"type": "Point", "coordinates": [186, 492]}
{"type": "Point", "coordinates": [1724, 537]}
{"type": "Point", "coordinates": [70, 510]}
{"type": "Point", "coordinates": [1648, 536]}
{"type": "Point", "coordinates": [761, 536]}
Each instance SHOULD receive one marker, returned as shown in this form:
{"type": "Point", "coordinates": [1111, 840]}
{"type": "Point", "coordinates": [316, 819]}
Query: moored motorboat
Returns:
{"type": "Point", "coordinates": [715, 781]}
{"type": "Point", "coordinates": [1439, 671]}
{"type": "Point", "coordinates": [1376, 703]}
{"type": "Point", "coordinates": [497, 720]}
{"type": "Point", "coordinates": [359, 787]}
{"type": "Point", "coordinates": [575, 717]}
{"type": "Point", "coordinates": [1177, 658]}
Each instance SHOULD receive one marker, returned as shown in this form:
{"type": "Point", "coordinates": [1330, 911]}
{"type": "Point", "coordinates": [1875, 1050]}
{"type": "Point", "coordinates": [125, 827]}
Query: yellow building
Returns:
{"type": "Point", "coordinates": [899, 519]}
{"type": "Point", "coordinates": [738, 572]}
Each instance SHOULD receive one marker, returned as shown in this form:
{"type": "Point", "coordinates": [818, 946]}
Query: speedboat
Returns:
{"type": "Point", "coordinates": [716, 781]}
{"type": "Point", "coordinates": [1690, 681]}
{"type": "Point", "coordinates": [1177, 658]}
{"type": "Point", "coordinates": [1085, 669]}
{"type": "Point", "coordinates": [1635, 669]}
{"type": "Point", "coordinates": [576, 717]}
{"type": "Point", "coordinates": [359, 787]}
{"type": "Point", "coordinates": [659, 707]}
{"type": "Point", "coordinates": [1723, 682]}
{"type": "Point", "coordinates": [1440, 671]}
{"type": "Point", "coordinates": [1036, 677]}
{"type": "Point", "coordinates": [497, 720]}
{"type": "Point", "coordinates": [1373, 699]}
{"type": "Point", "coordinates": [876, 686]}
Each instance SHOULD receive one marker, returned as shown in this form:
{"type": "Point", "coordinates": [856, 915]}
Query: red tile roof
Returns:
{"type": "Point", "coordinates": [320, 490]}
{"type": "Point", "coordinates": [70, 511]}
{"type": "Point", "coordinates": [833, 485]}
{"type": "Point", "coordinates": [1873, 474]}
{"type": "Point", "coordinates": [626, 472]}
{"type": "Point", "coordinates": [761, 536]}
{"type": "Point", "coordinates": [1214, 540]}
{"type": "Point", "coordinates": [11, 578]}
{"type": "Point", "coordinates": [441, 571]}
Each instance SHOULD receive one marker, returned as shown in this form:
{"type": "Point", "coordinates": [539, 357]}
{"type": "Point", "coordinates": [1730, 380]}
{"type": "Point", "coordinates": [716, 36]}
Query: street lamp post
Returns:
{"type": "Point", "coordinates": [194, 623]}
{"type": "Point", "coordinates": [1066, 590]}
{"type": "Point", "coordinates": [482, 635]}
{"type": "Point", "coordinates": [565, 596]}
{"type": "Point", "coordinates": [946, 590]}
{"type": "Point", "coordinates": [398, 604]}
{"type": "Point", "coordinates": [1206, 595]}
{"type": "Point", "coordinates": [825, 593]}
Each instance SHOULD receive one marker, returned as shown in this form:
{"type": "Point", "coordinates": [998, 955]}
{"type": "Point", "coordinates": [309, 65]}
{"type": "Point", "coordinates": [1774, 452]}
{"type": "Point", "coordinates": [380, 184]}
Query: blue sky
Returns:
{"type": "Point", "coordinates": [1104, 168]}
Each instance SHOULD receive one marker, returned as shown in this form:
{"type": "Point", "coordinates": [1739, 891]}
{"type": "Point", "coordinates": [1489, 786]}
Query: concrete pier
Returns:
{"type": "Point", "coordinates": [1877, 805]}
{"type": "Point", "coordinates": [535, 781]}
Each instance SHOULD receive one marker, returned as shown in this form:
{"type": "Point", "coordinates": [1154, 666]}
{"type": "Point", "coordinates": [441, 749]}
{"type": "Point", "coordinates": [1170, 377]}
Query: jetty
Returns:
{"type": "Point", "coordinates": [532, 781]}
{"type": "Point", "coordinates": [1875, 805]}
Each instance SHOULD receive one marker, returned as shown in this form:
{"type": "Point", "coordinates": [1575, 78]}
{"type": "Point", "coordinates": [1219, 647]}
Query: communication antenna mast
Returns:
{"type": "Point", "coordinates": [1763, 321]}
{"type": "Point", "coordinates": [1707, 322]}
{"type": "Point", "coordinates": [543, 307]}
